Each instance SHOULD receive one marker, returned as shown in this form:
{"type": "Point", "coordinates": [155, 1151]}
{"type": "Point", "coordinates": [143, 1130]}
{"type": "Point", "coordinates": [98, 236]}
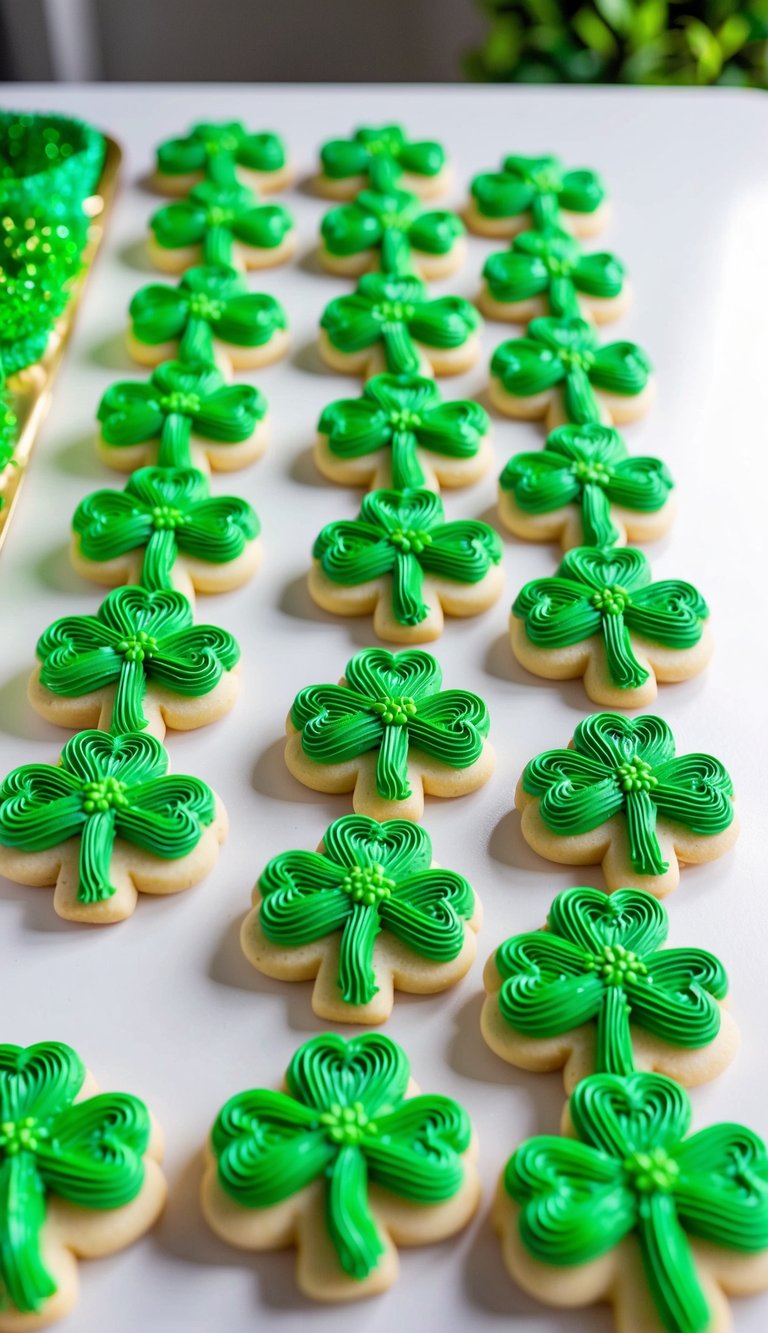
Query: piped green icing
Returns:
{"type": "Point", "coordinates": [344, 1121]}
{"type": "Point", "coordinates": [539, 186]}
{"type": "Point", "coordinates": [394, 225]}
{"type": "Point", "coordinates": [552, 265]}
{"type": "Point", "coordinates": [633, 1170]}
{"type": "Point", "coordinates": [381, 155]}
{"type": "Point", "coordinates": [369, 878]}
{"type": "Point", "coordinates": [217, 217]}
{"type": "Point", "coordinates": [217, 149]}
{"type": "Point", "coordinates": [210, 302]}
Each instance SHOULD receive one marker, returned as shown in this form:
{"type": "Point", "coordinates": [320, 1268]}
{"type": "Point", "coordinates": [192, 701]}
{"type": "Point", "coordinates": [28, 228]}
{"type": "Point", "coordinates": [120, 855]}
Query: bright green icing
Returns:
{"type": "Point", "coordinates": [625, 767]}
{"type": "Point", "coordinates": [216, 149]}
{"type": "Point", "coordinates": [40, 259]}
{"type": "Point", "coordinates": [396, 314]}
{"type": "Point", "coordinates": [587, 466]}
{"type": "Point", "coordinates": [404, 414]}
{"type": "Point", "coordinates": [166, 513]}
{"type": "Point", "coordinates": [381, 154]}
{"type": "Point", "coordinates": [633, 1170]}
{"type": "Point", "coordinates": [137, 638]}
{"type": "Point", "coordinates": [47, 162]}
{"type": "Point", "coordinates": [598, 591]}
{"type": "Point", "coordinates": [210, 302]}
{"type": "Point", "coordinates": [394, 225]}
{"type": "Point", "coordinates": [552, 265]}
{"type": "Point", "coordinates": [369, 878]}
{"type": "Point", "coordinates": [601, 961]}
{"type": "Point", "coordinates": [389, 703]}
{"type": "Point", "coordinates": [180, 399]}
{"type": "Point", "coordinates": [404, 535]}
{"type": "Point", "coordinates": [216, 217]}
{"type": "Point", "coordinates": [86, 1152]}
{"type": "Point", "coordinates": [565, 354]}
{"type": "Point", "coordinates": [344, 1121]}
{"type": "Point", "coordinates": [104, 787]}
{"type": "Point", "coordinates": [540, 186]}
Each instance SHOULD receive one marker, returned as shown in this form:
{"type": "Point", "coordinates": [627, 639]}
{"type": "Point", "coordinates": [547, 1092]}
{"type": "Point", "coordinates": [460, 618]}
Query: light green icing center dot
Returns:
{"type": "Point", "coordinates": [347, 1125]}
{"type": "Point", "coordinates": [405, 419]}
{"type": "Point", "coordinates": [167, 516]}
{"type": "Point", "coordinates": [636, 775]}
{"type": "Point", "coordinates": [225, 143]}
{"type": "Point", "coordinates": [103, 794]}
{"type": "Point", "coordinates": [202, 306]}
{"type": "Point", "coordinates": [574, 358]}
{"type": "Point", "coordinates": [617, 965]}
{"type": "Point", "coordinates": [184, 403]}
{"type": "Point", "coordinates": [219, 216]}
{"type": "Point", "coordinates": [367, 884]}
{"type": "Point", "coordinates": [558, 265]}
{"type": "Point", "coordinates": [652, 1172]}
{"type": "Point", "coordinates": [546, 180]}
{"type": "Point", "coordinates": [135, 647]}
{"type": "Point", "coordinates": [20, 1136]}
{"type": "Point", "coordinates": [395, 710]}
{"type": "Point", "coordinates": [376, 147]}
{"type": "Point", "coordinates": [410, 540]}
{"type": "Point", "coordinates": [597, 473]}
{"type": "Point", "coordinates": [393, 311]}
{"type": "Point", "coordinates": [611, 601]}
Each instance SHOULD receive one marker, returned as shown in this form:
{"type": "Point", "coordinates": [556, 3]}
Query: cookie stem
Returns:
{"type": "Point", "coordinates": [174, 441]}
{"type": "Point", "coordinates": [351, 1226]}
{"type": "Point", "coordinates": [96, 845]}
{"type": "Point", "coordinates": [669, 1267]}
{"type": "Point", "coordinates": [357, 978]}
{"type": "Point", "coordinates": [613, 1047]}
{"type": "Point", "coordinates": [644, 850]}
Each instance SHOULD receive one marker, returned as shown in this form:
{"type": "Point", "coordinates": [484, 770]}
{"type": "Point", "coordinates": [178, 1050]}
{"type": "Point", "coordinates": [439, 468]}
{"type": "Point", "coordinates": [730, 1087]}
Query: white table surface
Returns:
{"type": "Point", "coordinates": [164, 1005]}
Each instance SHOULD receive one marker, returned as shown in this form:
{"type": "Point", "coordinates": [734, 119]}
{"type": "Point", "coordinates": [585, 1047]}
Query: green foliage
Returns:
{"type": "Point", "coordinates": [624, 41]}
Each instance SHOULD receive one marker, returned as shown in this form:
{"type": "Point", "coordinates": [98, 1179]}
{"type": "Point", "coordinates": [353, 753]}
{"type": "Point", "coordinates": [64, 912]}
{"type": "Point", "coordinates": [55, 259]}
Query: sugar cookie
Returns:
{"type": "Point", "coordinates": [548, 273]}
{"type": "Point", "coordinates": [382, 158]}
{"type": "Point", "coordinates": [218, 224]}
{"type": "Point", "coordinates": [538, 192]}
{"type": "Point", "coordinates": [391, 232]}
{"type": "Point", "coordinates": [222, 151]}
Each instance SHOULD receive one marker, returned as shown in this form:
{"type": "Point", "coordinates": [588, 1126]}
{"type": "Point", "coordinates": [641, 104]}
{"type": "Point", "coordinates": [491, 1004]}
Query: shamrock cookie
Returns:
{"type": "Point", "coordinates": [382, 158]}
{"type": "Point", "coordinates": [220, 224]}
{"type": "Point", "coordinates": [548, 273]}
{"type": "Point", "coordinates": [107, 823]}
{"type": "Point", "coordinates": [620, 797]}
{"type": "Point", "coordinates": [401, 434]}
{"type": "Point", "coordinates": [559, 371]}
{"type": "Point", "coordinates": [139, 663]}
{"type": "Point", "coordinates": [185, 415]}
{"type": "Point", "coordinates": [536, 192]}
{"type": "Point", "coordinates": [600, 617]}
{"type": "Point", "coordinates": [366, 914]}
{"type": "Point", "coordinates": [403, 562]}
{"type": "Point", "coordinates": [391, 232]}
{"type": "Point", "coordinates": [81, 1179]}
{"type": "Point", "coordinates": [390, 735]}
{"type": "Point", "coordinates": [583, 489]}
{"type": "Point", "coordinates": [632, 1209]}
{"type": "Point", "coordinates": [223, 152]}
{"type": "Point", "coordinates": [597, 992]}
{"type": "Point", "coordinates": [347, 1162]}
{"type": "Point", "coordinates": [165, 530]}
{"type": "Point", "coordinates": [211, 317]}
{"type": "Point", "coordinates": [392, 324]}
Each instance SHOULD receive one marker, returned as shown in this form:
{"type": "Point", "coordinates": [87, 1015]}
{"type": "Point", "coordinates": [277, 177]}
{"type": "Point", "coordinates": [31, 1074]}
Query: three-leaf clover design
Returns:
{"type": "Point", "coordinates": [210, 307]}
{"type": "Point", "coordinates": [395, 318]}
{"type": "Point", "coordinates": [633, 1170]}
{"type": "Point", "coordinates": [560, 366]}
{"type": "Point", "coordinates": [403, 538]}
{"type": "Point", "coordinates": [104, 787]}
{"type": "Point", "coordinates": [164, 518]}
{"type": "Point", "coordinates": [633, 630]}
{"type": "Point", "coordinates": [584, 488]}
{"type": "Point", "coordinates": [548, 273]}
{"type": "Point", "coordinates": [370, 886]}
{"type": "Point", "coordinates": [392, 226]}
{"type": "Point", "coordinates": [226, 223]}
{"type": "Point", "coordinates": [627, 769]}
{"type": "Point", "coordinates": [181, 400]}
{"type": "Point", "coordinates": [388, 705]}
{"type": "Point", "coordinates": [56, 1144]}
{"type": "Point", "coordinates": [576, 993]}
{"type": "Point", "coordinates": [381, 155]}
{"type": "Point", "coordinates": [137, 639]}
{"type": "Point", "coordinates": [345, 1123]}
{"type": "Point", "coordinates": [221, 151]}
{"type": "Point", "coordinates": [538, 190]}
{"type": "Point", "coordinates": [382, 436]}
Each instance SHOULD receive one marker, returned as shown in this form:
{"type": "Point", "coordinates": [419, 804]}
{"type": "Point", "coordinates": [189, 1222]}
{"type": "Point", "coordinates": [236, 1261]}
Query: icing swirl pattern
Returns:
{"type": "Point", "coordinates": [210, 302]}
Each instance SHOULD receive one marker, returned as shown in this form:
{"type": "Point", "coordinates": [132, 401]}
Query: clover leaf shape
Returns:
{"type": "Point", "coordinates": [222, 151]}
{"type": "Point", "coordinates": [165, 530]}
{"type": "Point", "coordinates": [633, 1170]}
{"type": "Point", "coordinates": [390, 230]}
{"type": "Point", "coordinates": [60, 1144]}
{"type": "Point", "coordinates": [401, 560]}
{"type": "Point", "coordinates": [346, 1140]}
{"type": "Point", "coordinates": [382, 156]}
{"type": "Point", "coordinates": [633, 631]}
{"type": "Point", "coordinates": [138, 642]}
{"type": "Point", "coordinates": [210, 316]}
{"type": "Point", "coordinates": [382, 436]}
{"type": "Point", "coordinates": [620, 793]}
{"type": "Point", "coordinates": [548, 273]}
{"type": "Point", "coordinates": [584, 488]}
{"type": "Point", "coordinates": [105, 787]}
{"type": "Point", "coordinates": [163, 419]}
{"type": "Point", "coordinates": [362, 733]}
{"type": "Point", "coordinates": [537, 190]}
{"type": "Point", "coordinates": [358, 912]}
{"type": "Point", "coordinates": [393, 319]}
{"type": "Point", "coordinates": [227, 226]}
{"type": "Point", "coordinates": [559, 370]}
{"type": "Point", "coordinates": [597, 992]}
